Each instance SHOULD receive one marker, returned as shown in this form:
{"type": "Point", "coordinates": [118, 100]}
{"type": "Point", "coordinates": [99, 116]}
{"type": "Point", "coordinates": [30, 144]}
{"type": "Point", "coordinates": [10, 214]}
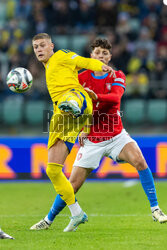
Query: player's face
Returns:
{"type": "Point", "coordinates": [43, 49]}
{"type": "Point", "coordinates": [101, 54]}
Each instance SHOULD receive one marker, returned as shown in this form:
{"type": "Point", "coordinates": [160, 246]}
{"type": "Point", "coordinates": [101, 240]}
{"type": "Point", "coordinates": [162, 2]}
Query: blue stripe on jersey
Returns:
{"type": "Point", "coordinates": [118, 84]}
{"type": "Point", "coordinates": [65, 50]}
{"type": "Point", "coordinates": [99, 77]}
{"type": "Point", "coordinates": [69, 145]}
{"type": "Point", "coordinates": [84, 105]}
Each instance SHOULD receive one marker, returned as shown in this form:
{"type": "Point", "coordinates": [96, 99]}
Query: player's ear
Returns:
{"type": "Point", "coordinates": [52, 45]}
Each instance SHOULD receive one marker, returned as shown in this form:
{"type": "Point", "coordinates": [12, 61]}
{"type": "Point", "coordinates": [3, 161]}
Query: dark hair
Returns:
{"type": "Point", "coordinates": [41, 36]}
{"type": "Point", "coordinates": [103, 43]}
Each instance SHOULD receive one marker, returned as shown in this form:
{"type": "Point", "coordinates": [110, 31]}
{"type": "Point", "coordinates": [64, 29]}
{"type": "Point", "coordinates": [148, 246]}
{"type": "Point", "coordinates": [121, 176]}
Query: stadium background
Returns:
{"type": "Point", "coordinates": [138, 33]}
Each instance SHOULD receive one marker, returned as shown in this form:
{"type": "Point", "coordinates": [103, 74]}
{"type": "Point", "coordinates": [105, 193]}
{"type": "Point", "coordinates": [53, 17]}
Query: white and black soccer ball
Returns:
{"type": "Point", "coordinates": [19, 80]}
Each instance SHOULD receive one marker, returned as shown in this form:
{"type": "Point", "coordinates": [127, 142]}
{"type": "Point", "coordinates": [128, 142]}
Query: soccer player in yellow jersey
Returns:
{"type": "Point", "coordinates": [72, 108]}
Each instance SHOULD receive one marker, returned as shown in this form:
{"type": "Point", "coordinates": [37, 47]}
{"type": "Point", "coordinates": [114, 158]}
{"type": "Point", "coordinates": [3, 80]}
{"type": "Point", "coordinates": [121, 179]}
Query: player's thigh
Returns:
{"type": "Point", "coordinates": [115, 146]}
{"type": "Point", "coordinates": [58, 152]}
{"type": "Point", "coordinates": [132, 154]}
{"type": "Point", "coordinates": [78, 176]}
{"type": "Point", "coordinates": [89, 155]}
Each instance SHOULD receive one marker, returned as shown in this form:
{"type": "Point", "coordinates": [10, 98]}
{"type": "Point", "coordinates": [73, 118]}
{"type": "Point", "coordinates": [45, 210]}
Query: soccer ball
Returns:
{"type": "Point", "coordinates": [19, 80]}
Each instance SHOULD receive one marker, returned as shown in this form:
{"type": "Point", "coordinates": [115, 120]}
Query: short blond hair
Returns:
{"type": "Point", "coordinates": [41, 36]}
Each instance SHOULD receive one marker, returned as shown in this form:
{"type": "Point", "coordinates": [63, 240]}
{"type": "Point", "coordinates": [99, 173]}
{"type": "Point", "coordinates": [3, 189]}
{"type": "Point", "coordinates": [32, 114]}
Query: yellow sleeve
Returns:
{"type": "Point", "coordinates": [88, 63]}
{"type": "Point", "coordinates": [80, 62]}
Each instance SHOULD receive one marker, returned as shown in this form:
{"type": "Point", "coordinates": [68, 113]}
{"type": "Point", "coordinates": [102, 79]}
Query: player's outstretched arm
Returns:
{"type": "Point", "coordinates": [91, 64]}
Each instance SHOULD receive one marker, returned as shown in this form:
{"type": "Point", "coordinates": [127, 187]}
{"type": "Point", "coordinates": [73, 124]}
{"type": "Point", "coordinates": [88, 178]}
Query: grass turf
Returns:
{"type": "Point", "coordinates": [119, 218]}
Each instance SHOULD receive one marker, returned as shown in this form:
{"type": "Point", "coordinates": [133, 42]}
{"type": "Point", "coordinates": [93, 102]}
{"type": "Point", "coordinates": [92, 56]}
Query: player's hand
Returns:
{"type": "Point", "coordinates": [91, 93]}
{"type": "Point", "coordinates": [108, 69]}
{"type": "Point", "coordinates": [81, 138]}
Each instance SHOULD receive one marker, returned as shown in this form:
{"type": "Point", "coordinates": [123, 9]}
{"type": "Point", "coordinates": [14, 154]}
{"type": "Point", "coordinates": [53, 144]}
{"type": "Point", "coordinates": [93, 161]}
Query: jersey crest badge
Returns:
{"type": "Point", "coordinates": [108, 84]}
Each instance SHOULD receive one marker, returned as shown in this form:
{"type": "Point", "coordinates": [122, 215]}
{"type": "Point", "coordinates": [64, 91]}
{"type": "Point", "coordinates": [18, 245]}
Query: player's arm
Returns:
{"type": "Point", "coordinates": [93, 64]}
{"type": "Point", "coordinates": [87, 63]}
{"type": "Point", "coordinates": [117, 90]}
{"type": "Point", "coordinates": [114, 97]}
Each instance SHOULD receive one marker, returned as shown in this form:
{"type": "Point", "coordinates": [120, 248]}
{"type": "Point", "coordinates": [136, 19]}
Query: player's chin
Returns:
{"type": "Point", "coordinates": [41, 59]}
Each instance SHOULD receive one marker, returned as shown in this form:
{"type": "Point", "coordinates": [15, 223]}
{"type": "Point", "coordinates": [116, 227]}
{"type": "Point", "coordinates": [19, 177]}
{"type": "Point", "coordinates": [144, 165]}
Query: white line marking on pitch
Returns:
{"type": "Point", "coordinates": [67, 215]}
{"type": "Point", "coordinates": [130, 183]}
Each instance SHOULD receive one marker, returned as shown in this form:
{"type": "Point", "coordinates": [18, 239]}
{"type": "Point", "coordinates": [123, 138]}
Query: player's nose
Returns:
{"type": "Point", "coordinates": [39, 49]}
{"type": "Point", "coordinates": [101, 56]}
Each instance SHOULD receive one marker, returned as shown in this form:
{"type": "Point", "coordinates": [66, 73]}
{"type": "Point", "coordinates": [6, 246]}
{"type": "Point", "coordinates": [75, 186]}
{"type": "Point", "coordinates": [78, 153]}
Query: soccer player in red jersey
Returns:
{"type": "Point", "coordinates": [106, 136]}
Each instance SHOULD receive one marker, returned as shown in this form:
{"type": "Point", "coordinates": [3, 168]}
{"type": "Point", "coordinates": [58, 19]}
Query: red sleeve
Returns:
{"type": "Point", "coordinates": [114, 97]}
{"type": "Point", "coordinates": [117, 89]}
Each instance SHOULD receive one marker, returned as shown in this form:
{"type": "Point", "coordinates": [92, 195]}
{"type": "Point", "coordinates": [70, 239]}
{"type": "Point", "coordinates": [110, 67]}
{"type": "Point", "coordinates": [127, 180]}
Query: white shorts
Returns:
{"type": "Point", "coordinates": [90, 154]}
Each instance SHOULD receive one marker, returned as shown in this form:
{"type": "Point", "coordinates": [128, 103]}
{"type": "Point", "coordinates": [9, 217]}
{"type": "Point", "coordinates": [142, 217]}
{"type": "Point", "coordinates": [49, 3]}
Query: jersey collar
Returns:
{"type": "Point", "coordinates": [99, 77]}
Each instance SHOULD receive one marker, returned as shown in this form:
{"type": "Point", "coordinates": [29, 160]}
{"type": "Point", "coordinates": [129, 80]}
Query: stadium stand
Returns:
{"type": "Point", "coordinates": [12, 111]}
{"type": "Point", "coordinates": [157, 111]}
{"type": "Point", "coordinates": [61, 41]}
{"type": "Point", "coordinates": [34, 112]}
{"type": "Point", "coordinates": [134, 111]}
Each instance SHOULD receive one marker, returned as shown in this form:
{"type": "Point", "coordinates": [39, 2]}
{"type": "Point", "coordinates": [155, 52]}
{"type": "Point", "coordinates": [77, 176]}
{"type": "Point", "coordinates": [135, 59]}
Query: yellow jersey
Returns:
{"type": "Point", "coordinates": [62, 72]}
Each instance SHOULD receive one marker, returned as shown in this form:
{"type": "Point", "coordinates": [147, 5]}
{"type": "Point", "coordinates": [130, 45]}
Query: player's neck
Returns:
{"type": "Point", "coordinates": [99, 73]}
{"type": "Point", "coordinates": [44, 63]}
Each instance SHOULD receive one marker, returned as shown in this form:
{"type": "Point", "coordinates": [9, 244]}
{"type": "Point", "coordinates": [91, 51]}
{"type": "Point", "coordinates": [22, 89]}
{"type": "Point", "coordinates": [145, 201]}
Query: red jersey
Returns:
{"type": "Point", "coordinates": [107, 121]}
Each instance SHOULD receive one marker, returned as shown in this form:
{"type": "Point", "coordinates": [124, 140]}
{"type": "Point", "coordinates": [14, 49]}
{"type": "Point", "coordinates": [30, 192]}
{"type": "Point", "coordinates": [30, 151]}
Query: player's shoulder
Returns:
{"type": "Point", "coordinates": [64, 55]}
{"type": "Point", "coordinates": [120, 79]}
{"type": "Point", "coordinates": [120, 74]}
{"type": "Point", "coordinates": [67, 53]}
{"type": "Point", "coordinates": [64, 51]}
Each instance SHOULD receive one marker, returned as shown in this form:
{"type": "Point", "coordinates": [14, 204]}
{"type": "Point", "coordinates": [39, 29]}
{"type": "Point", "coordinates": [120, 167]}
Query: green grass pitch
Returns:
{"type": "Point", "coordinates": [119, 217]}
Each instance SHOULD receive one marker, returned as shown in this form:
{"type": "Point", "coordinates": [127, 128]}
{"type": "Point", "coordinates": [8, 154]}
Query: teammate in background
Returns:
{"type": "Point", "coordinates": [107, 137]}
{"type": "Point", "coordinates": [3, 235]}
{"type": "Point", "coordinates": [70, 103]}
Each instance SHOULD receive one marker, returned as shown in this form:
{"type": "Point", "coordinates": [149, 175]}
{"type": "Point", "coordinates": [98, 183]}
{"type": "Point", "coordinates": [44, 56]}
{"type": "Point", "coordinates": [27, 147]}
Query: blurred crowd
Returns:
{"type": "Point", "coordinates": [136, 29]}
